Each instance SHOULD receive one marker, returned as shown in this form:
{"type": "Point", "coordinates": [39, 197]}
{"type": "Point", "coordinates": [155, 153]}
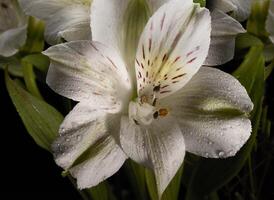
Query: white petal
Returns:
{"type": "Point", "coordinates": [85, 142]}
{"type": "Point", "coordinates": [159, 146]}
{"type": "Point", "coordinates": [86, 70]}
{"type": "Point", "coordinates": [11, 40]}
{"type": "Point", "coordinates": [224, 32]}
{"type": "Point", "coordinates": [240, 8]}
{"type": "Point", "coordinates": [65, 19]}
{"type": "Point", "coordinates": [270, 21]}
{"type": "Point", "coordinates": [212, 112]}
{"type": "Point", "coordinates": [123, 21]}
{"type": "Point", "coordinates": [172, 47]}
{"type": "Point", "coordinates": [81, 128]}
{"type": "Point", "coordinates": [105, 159]}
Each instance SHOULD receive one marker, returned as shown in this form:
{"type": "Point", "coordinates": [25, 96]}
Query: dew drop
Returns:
{"type": "Point", "coordinates": [221, 154]}
{"type": "Point", "coordinates": [78, 138]}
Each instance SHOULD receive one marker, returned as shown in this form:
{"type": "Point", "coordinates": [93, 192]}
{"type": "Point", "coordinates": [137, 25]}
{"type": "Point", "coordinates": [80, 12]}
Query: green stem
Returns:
{"type": "Point", "coordinates": [29, 78]}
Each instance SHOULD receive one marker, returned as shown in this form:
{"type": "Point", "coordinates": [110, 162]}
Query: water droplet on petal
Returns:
{"type": "Point", "coordinates": [79, 137]}
{"type": "Point", "coordinates": [221, 154]}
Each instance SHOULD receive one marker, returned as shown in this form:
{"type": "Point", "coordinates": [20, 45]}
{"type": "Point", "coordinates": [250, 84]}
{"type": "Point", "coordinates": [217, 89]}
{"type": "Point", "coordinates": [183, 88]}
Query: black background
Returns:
{"type": "Point", "coordinates": [27, 171]}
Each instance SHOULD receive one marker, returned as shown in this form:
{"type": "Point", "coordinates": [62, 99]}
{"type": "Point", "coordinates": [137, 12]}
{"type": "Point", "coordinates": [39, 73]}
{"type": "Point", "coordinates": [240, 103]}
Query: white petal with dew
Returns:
{"type": "Point", "coordinates": [85, 70]}
{"type": "Point", "coordinates": [159, 146]}
{"type": "Point", "coordinates": [212, 113]}
{"type": "Point", "coordinates": [105, 159]}
{"type": "Point", "coordinates": [85, 147]}
{"type": "Point", "coordinates": [172, 48]}
{"type": "Point", "coordinates": [223, 34]}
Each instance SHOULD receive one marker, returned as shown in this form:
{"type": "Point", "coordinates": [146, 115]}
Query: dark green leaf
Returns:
{"type": "Point", "coordinates": [100, 192]}
{"type": "Point", "coordinates": [41, 120]}
{"type": "Point", "coordinates": [172, 191]}
{"type": "Point", "coordinates": [137, 178]}
{"type": "Point", "coordinates": [257, 19]}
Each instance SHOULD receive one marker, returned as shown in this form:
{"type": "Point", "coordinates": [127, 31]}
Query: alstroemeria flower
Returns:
{"type": "Point", "coordinates": [13, 27]}
{"type": "Point", "coordinates": [65, 19]}
{"type": "Point", "coordinates": [153, 113]}
{"type": "Point", "coordinates": [270, 21]}
{"type": "Point", "coordinates": [239, 9]}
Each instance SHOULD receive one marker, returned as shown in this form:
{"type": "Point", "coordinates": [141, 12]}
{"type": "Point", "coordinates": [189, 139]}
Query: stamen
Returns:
{"type": "Point", "coordinates": [163, 112]}
{"type": "Point", "coordinates": [144, 99]}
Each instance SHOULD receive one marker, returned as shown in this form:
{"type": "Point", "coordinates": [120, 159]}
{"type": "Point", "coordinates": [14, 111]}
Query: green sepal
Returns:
{"type": "Point", "coordinates": [35, 37]}
{"type": "Point", "coordinates": [201, 2]}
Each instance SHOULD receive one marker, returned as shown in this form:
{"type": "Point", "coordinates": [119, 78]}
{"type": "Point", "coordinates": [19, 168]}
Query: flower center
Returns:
{"type": "Point", "coordinates": [141, 112]}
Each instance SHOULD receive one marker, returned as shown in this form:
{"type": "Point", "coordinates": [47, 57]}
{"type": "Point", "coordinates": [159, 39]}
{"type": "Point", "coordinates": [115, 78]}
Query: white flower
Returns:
{"type": "Point", "coordinates": [270, 21]}
{"type": "Point", "coordinates": [153, 112]}
{"type": "Point", "coordinates": [13, 27]}
{"type": "Point", "coordinates": [65, 19]}
{"type": "Point", "coordinates": [239, 9]}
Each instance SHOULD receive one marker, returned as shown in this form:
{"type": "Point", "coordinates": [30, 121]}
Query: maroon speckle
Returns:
{"type": "Point", "coordinates": [178, 68]}
{"type": "Point", "coordinates": [140, 75]}
{"type": "Point", "coordinates": [137, 62]}
{"type": "Point", "coordinates": [143, 49]}
{"type": "Point", "coordinates": [165, 86]}
{"type": "Point", "coordinates": [112, 63]}
{"type": "Point", "coordinates": [163, 20]}
{"type": "Point", "coordinates": [164, 58]}
{"type": "Point", "coordinates": [165, 91]}
{"type": "Point", "coordinates": [142, 65]}
{"type": "Point", "coordinates": [181, 75]}
{"type": "Point", "coordinates": [149, 44]}
{"type": "Point", "coordinates": [176, 59]}
{"type": "Point", "coordinates": [190, 61]}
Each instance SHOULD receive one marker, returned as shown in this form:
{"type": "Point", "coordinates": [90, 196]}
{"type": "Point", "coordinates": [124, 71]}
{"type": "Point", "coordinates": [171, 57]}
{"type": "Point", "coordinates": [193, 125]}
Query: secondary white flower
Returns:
{"type": "Point", "coordinates": [13, 27]}
{"type": "Point", "coordinates": [270, 21]}
{"type": "Point", "coordinates": [152, 112]}
{"type": "Point", "coordinates": [65, 19]}
{"type": "Point", "coordinates": [239, 9]}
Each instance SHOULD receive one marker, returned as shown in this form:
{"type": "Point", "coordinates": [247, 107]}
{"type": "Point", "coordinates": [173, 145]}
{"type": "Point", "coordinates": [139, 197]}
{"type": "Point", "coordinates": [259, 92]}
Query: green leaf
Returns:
{"type": "Point", "coordinates": [35, 36]}
{"type": "Point", "coordinates": [201, 2]}
{"type": "Point", "coordinates": [257, 19]}
{"type": "Point", "coordinates": [41, 120]}
{"type": "Point", "coordinates": [100, 192]}
{"type": "Point", "coordinates": [211, 174]}
{"type": "Point", "coordinates": [40, 61]}
{"type": "Point", "coordinates": [137, 178]}
{"type": "Point", "coordinates": [172, 191]}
